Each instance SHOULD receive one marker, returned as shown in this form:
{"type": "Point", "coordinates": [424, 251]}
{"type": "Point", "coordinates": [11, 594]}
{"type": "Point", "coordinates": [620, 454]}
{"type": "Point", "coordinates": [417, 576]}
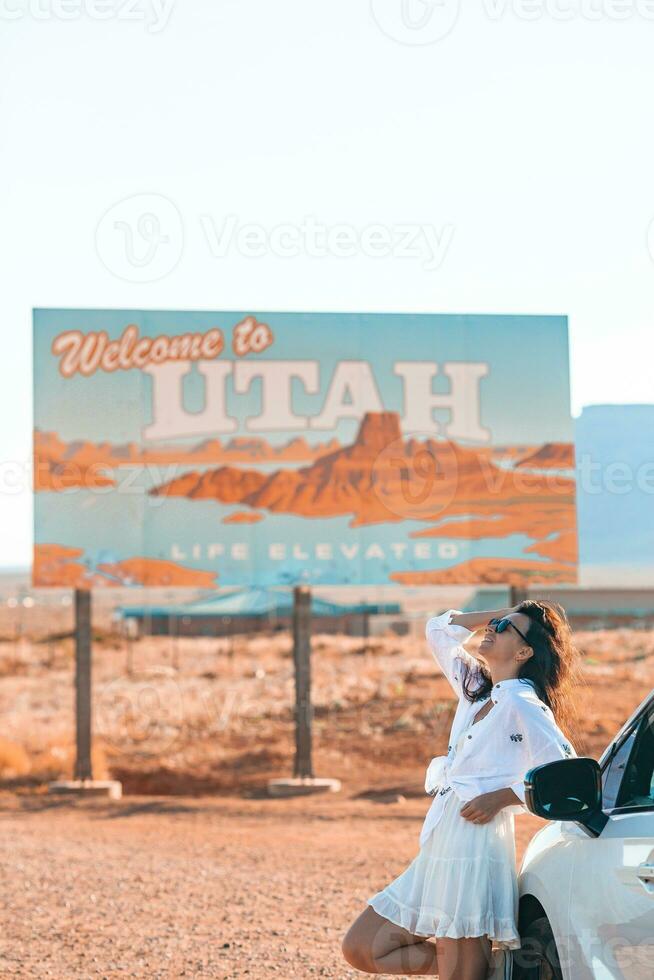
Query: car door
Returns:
{"type": "Point", "coordinates": [611, 901]}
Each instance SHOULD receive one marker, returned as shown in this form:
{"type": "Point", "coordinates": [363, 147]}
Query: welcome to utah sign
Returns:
{"type": "Point", "coordinates": [225, 448]}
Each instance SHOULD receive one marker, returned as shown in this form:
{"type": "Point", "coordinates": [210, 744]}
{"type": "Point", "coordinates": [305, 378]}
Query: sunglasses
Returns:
{"type": "Point", "coordinates": [501, 624]}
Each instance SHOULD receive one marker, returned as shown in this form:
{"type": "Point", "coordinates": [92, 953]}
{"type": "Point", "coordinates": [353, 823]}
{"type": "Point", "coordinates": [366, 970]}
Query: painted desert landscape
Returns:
{"type": "Point", "coordinates": [516, 501]}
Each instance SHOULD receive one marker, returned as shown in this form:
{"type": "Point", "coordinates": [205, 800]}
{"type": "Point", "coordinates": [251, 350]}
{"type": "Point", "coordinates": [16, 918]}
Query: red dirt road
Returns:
{"type": "Point", "coordinates": [178, 887]}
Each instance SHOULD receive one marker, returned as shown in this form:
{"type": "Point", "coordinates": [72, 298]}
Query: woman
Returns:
{"type": "Point", "coordinates": [461, 887]}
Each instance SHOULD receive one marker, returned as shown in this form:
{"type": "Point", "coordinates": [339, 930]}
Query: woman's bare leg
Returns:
{"type": "Point", "coordinates": [468, 958]}
{"type": "Point", "coordinates": [375, 945]}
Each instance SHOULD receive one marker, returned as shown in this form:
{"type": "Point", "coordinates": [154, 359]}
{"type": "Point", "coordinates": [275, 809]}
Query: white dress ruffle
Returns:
{"type": "Point", "coordinates": [462, 882]}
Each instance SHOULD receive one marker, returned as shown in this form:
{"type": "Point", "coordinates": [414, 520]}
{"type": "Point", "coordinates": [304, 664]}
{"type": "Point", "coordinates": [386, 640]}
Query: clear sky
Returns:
{"type": "Point", "coordinates": [326, 156]}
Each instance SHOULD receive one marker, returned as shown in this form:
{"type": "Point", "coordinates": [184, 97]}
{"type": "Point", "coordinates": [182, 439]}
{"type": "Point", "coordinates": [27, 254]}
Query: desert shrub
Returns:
{"type": "Point", "coordinates": [14, 760]}
{"type": "Point", "coordinates": [57, 761]}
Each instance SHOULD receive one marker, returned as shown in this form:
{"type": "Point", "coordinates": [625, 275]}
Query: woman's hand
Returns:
{"type": "Point", "coordinates": [478, 620]}
{"type": "Point", "coordinates": [483, 808]}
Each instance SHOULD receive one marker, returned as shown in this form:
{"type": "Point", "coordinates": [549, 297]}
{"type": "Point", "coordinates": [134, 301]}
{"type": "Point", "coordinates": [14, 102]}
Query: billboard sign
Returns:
{"type": "Point", "coordinates": [252, 448]}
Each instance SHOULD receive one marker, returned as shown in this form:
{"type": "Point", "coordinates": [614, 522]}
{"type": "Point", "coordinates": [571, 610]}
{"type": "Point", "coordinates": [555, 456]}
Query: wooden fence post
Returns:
{"type": "Point", "coordinates": [302, 662]}
{"type": "Point", "coordinates": [83, 684]}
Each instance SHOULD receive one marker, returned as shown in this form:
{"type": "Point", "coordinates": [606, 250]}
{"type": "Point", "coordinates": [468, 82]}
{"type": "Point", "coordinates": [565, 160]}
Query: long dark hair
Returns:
{"type": "Point", "coordinates": [554, 668]}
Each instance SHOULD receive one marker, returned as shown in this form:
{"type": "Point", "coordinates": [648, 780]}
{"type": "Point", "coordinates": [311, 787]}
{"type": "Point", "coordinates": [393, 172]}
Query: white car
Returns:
{"type": "Point", "coordinates": [586, 881]}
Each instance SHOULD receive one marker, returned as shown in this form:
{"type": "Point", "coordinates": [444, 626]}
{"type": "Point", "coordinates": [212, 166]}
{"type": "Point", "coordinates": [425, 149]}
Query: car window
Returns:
{"type": "Point", "coordinates": [613, 773]}
{"type": "Point", "coordinates": [637, 786]}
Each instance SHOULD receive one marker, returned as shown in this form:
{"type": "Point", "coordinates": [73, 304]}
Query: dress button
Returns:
{"type": "Point", "coordinates": [469, 736]}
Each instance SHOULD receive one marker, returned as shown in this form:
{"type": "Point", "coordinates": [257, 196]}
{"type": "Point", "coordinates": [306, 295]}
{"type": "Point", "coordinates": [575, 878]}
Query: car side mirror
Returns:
{"type": "Point", "coordinates": [567, 789]}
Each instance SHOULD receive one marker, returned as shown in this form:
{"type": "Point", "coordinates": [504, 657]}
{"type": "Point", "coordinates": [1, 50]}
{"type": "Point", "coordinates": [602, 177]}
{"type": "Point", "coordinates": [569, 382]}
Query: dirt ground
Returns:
{"type": "Point", "coordinates": [178, 887]}
{"type": "Point", "coordinates": [195, 872]}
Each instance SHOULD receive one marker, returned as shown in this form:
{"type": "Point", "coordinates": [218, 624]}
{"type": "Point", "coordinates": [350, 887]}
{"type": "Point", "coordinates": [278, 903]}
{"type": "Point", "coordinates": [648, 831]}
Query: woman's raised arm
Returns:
{"type": "Point", "coordinates": [446, 639]}
{"type": "Point", "coordinates": [447, 634]}
{"type": "Point", "coordinates": [474, 620]}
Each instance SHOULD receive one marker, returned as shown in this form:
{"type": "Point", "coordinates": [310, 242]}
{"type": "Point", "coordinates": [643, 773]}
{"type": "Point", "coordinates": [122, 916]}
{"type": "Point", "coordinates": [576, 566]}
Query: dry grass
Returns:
{"type": "Point", "coordinates": [14, 760]}
{"type": "Point", "coordinates": [216, 714]}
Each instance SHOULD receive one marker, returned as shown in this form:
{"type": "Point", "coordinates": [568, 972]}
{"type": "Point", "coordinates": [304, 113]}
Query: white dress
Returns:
{"type": "Point", "coordinates": [462, 882]}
